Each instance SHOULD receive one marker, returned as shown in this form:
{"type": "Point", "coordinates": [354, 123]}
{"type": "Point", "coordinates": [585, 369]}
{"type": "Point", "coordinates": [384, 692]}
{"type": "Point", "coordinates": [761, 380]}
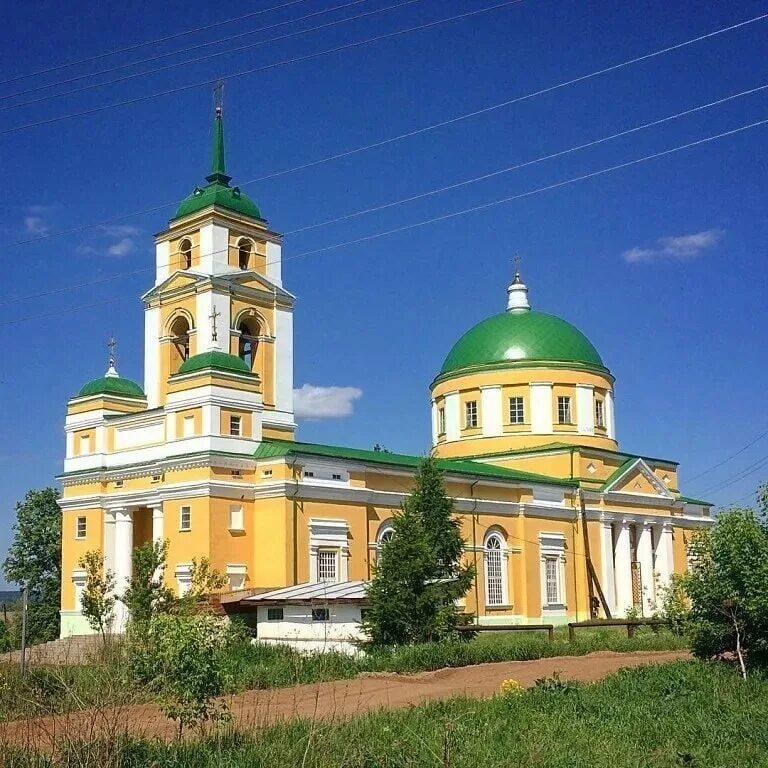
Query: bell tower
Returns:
{"type": "Point", "coordinates": [218, 291]}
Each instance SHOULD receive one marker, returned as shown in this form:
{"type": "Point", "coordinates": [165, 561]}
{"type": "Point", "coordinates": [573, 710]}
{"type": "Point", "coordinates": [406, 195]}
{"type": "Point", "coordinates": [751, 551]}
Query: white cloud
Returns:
{"type": "Point", "coordinates": [122, 247]}
{"type": "Point", "coordinates": [311, 402]}
{"type": "Point", "coordinates": [36, 226]}
{"type": "Point", "coordinates": [680, 248]}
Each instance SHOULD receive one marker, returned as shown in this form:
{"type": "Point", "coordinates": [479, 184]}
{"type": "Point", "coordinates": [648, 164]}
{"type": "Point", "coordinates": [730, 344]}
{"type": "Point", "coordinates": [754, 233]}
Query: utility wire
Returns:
{"type": "Point", "coordinates": [465, 211]}
{"type": "Point", "coordinates": [750, 470]}
{"type": "Point", "coordinates": [732, 456]}
{"type": "Point", "coordinates": [156, 41]}
{"type": "Point", "coordinates": [159, 56]}
{"type": "Point", "coordinates": [390, 140]}
{"type": "Point", "coordinates": [570, 150]}
{"type": "Point", "coordinates": [254, 70]}
{"type": "Point", "coordinates": [208, 57]}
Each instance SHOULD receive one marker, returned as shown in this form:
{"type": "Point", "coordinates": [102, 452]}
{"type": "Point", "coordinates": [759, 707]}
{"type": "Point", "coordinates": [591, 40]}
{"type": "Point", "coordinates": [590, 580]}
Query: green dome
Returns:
{"type": "Point", "coordinates": [112, 385]}
{"type": "Point", "coordinates": [521, 337]}
{"type": "Point", "coordinates": [222, 195]}
{"type": "Point", "coordinates": [219, 361]}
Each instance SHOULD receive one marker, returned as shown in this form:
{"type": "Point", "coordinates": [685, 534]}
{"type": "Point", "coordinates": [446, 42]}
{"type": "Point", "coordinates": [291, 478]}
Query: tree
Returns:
{"type": "Point", "coordinates": [203, 580]}
{"type": "Point", "coordinates": [419, 575]}
{"type": "Point", "coordinates": [34, 559]}
{"type": "Point", "coordinates": [190, 668]}
{"type": "Point", "coordinates": [98, 600]}
{"type": "Point", "coordinates": [147, 594]}
{"type": "Point", "coordinates": [728, 588]}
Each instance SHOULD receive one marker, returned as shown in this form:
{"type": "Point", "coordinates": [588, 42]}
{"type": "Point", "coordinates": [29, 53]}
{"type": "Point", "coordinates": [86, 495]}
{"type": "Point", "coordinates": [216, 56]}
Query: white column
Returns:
{"type": "Point", "coordinates": [645, 558]}
{"type": "Point", "coordinates": [205, 303]}
{"type": "Point", "coordinates": [541, 408]}
{"type": "Point", "coordinates": [585, 409]}
{"type": "Point", "coordinates": [606, 554]}
{"type": "Point", "coordinates": [434, 423]}
{"type": "Point", "coordinates": [273, 263]}
{"type": "Point", "coordinates": [214, 246]}
{"type": "Point", "coordinates": [284, 359]}
{"type": "Point", "coordinates": [491, 411]}
{"type": "Point", "coordinates": [123, 565]}
{"type": "Point", "coordinates": [157, 522]}
{"type": "Point", "coordinates": [664, 565]}
{"type": "Point", "coordinates": [163, 261]}
{"type": "Point", "coordinates": [610, 416]}
{"type": "Point", "coordinates": [452, 416]}
{"type": "Point", "coordinates": [152, 356]}
{"type": "Point", "coordinates": [623, 575]}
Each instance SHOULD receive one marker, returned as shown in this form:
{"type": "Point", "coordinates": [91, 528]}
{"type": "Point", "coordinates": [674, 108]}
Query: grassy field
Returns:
{"type": "Point", "coordinates": [690, 714]}
{"type": "Point", "coordinates": [66, 688]}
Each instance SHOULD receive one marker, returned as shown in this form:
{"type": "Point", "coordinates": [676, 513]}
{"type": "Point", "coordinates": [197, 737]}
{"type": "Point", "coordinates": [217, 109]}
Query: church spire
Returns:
{"type": "Point", "coordinates": [218, 170]}
{"type": "Point", "coordinates": [517, 292]}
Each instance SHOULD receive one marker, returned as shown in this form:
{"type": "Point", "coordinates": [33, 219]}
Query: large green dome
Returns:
{"type": "Point", "coordinates": [112, 385]}
{"type": "Point", "coordinates": [521, 337]}
{"type": "Point", "coordinates": [220, 361]}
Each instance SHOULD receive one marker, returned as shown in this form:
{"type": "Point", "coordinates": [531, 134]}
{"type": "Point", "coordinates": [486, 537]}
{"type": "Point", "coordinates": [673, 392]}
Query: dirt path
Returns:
{"type": "Point", "coordinates": [336, 700]}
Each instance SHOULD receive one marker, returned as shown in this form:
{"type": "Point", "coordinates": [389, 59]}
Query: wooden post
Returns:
{"type": "Point", "coordinates": [551, 633]}
{"type": "Point", "coordinates": [571, 632]}
{"type": "Point", "coordinates": [23, 630]}
{"type": "Point", "coordinates": [592, 579]}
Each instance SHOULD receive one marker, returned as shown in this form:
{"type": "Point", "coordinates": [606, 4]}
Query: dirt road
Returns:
{"type": "Point", "coordinates": [336, 700]}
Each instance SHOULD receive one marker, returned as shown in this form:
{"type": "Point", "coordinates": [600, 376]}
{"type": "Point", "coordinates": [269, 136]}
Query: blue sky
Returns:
{"type": "Point", "coordinates": [661, 264]}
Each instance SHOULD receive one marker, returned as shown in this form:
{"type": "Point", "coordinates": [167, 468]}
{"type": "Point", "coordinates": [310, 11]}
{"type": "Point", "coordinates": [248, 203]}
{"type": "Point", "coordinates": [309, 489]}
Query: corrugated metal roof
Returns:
{"type": "Point", "coordinates": [323, 590]}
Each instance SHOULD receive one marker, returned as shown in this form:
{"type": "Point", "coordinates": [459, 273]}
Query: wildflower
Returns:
{"type": "Point", "coordinates": [510, 687]}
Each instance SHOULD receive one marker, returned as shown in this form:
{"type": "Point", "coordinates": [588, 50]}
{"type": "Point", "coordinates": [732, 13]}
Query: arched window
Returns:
{"type": "Point", "coordinates": [248, 343]}
{"type": "Point", "coordinates": [386, 532]}
{"type": "Point", "coordinates": [179, 342]}
{"type": "Point", "coordinates": [244, 254]}
{"type": "Point", "coordinates": [185, 254]}
{"type": "Point", "coordinates": [496, 589]}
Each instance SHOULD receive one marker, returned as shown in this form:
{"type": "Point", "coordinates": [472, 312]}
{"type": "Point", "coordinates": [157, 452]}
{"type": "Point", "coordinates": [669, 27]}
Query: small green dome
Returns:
{"type": "Point", "coordinates": [222, 195]}
{"type": "Point", "coordinates": [521, 336]}
{"type": "Point", "coordinates": [219, 361]}
{"type": "Point", "coordinates": [112, 385]}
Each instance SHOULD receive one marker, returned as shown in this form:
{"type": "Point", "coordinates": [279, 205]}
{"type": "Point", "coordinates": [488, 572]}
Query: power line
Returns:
{"type": "Point", "coordinates": [392, 139]}
{"type": "Point", "coordinates": [159, 56]}
{"type": "Point", "coordinates": [254, 70]}
{"type": "Point", "coordinates": [528, 163]}
{"type": "Point", "coordinates": [156, 41]}
{"type": "Point", "coordinates": [570, 150]}
{"type": "Point", "coordinates": [214, 55]}
{"type": "Point", "coordinates": [729, 481]}
{"type": "Point", "coordinates": [732, 456]}
{"type": "Point", "coordinates": [473, 209]}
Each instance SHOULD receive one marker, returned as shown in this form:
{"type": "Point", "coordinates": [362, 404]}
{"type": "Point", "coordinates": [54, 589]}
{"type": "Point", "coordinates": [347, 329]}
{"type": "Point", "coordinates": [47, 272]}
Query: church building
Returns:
{"type": "Point", "coordinates": [204, 454]}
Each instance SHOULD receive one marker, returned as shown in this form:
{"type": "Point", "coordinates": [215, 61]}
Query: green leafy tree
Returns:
{"type": "Point", "coordinates": [419, 574]}
{"type": "Point", "coordinates": [98, 600]}
{"type": "Point", "coordinates": [728, 588]}
{"type": "Point", "coordinates": [147, 594]}
{"type": "Point", "coordinates": [190, 667]}
{"type": "Point", "coordinates": [34, 559]}
{"type": "Point", "coordinates": [204, 580]}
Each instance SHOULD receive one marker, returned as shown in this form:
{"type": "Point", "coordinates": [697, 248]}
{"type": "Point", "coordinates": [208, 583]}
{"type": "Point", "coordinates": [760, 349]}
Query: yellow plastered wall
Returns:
{"type": "Point", "coordinates": [273, 524]}
{"type": "Point", "coordinates": [195, 417]}
{"type": "Point", "coordinates": [184, 545]}
{"type": "Point", "coordinates": [230, 546]}
{"type": "Point", "coordinates": [84, 442]}
{"type": "Point", "coordinates": [72, 548]}
{"type": "Point", "coordinates": [174, 250]}
{"type": "Point", "coordinates": [246, 421]}
{"type": "Point", "coordinates": [258, 257]}
{"type": "Point", "coordinates": [262, 314]}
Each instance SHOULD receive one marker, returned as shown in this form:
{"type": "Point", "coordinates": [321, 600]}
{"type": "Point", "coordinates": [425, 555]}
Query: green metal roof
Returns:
{"type": "Point", "coordinates": [512, 338]}
{"type": "Point", "coordinates": [217, 191]}
{"type": "Point", "coordinates": [220, 361]}
{"type": "Point", "coordinates": [112, 385]}
{"type": "Point", "coordinates": [269, 449]}
{"type": "Point", "coordinates": [690, 500]}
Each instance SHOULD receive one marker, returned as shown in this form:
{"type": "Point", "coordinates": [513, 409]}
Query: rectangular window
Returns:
{"type": "Point", "coordinates": [308, 473]}
{"type": "Point", "coordinates": [85, 444]}
{"type": "Point", "coordinates": [188, 426]}
{"type": "Point", "coordinates": [441, 421]}
{"type": "Point", "coordinates": [494, 579]}
{"type": "Point", "coordinates": [319, 614]}
{"type": "Point", "coordinates": [336, 476]}
{"type": "Point", "coordinates": [236, 581]}
{"type": "Point", "coordinates": [267, 473]}
{"type": "Point", "coordinates": [327, 565]}
{"type": "Point", "coordinates": [564, 410]}
{"type": "Point", "coordinates": [81, 528]}
{"type": "Point", "coordinates": [234, 426]}
{"type": "Point", "coordinates": [185, 519]}
{"type": "Point", "coordinates": [470, 414]}
{"type": "Point", "coordinates": [599, 413]}
{"type": "Point", "coordinates": [516, 412]}
{"type": "Point", "coordinates": [235, 517]}
{"type": "Point", "coordinates": [274, 614]}
{"type": "Point", "coordinates": [552, 580]}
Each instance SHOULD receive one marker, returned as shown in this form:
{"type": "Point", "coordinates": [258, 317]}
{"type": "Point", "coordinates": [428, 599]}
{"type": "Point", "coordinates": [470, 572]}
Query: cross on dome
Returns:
{"type": "Point", "coordinates": [112, 369]}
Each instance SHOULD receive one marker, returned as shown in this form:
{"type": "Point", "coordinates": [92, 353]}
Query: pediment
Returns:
{"type": "Point", "coordinates": [637, 478]}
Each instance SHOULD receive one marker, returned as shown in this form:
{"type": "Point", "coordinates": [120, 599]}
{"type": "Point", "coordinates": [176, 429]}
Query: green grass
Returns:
{"type": "Point", "coordinates": [71, 687]}
{"type": "Point", "coordinates": [689, 714]}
